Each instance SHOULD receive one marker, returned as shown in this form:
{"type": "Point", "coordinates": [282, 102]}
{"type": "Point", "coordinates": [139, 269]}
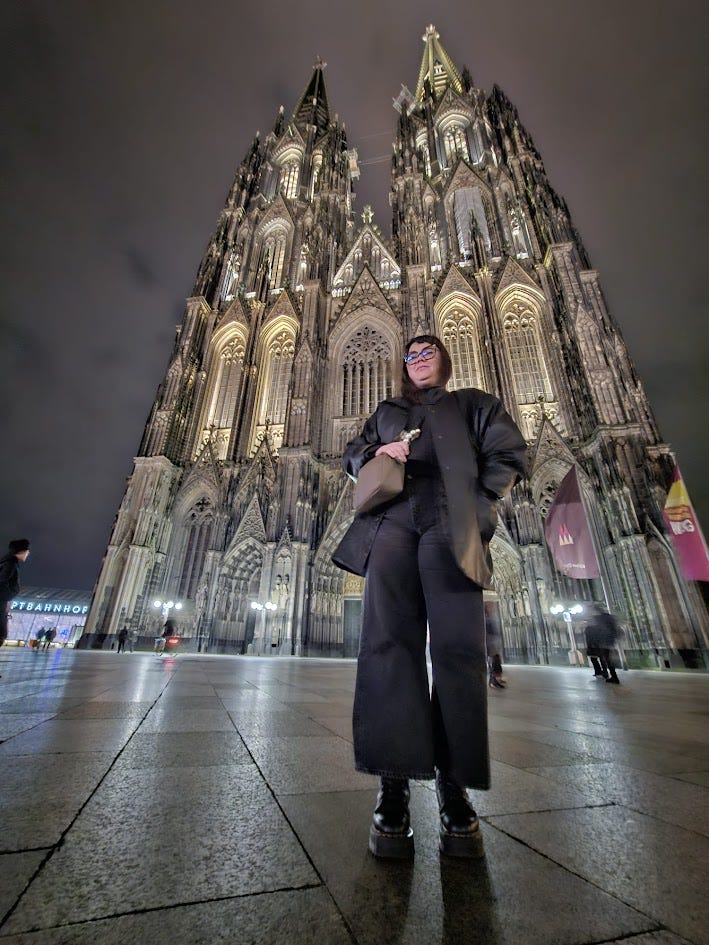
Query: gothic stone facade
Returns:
{"type": "Point", "coordinates": [294, 332]}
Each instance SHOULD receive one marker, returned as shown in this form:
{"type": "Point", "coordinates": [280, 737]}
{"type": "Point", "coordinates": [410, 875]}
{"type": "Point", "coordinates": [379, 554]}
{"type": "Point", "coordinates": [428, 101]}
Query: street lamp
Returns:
{"type": "Point", "coordinates": [167, 606]}
{"type": "Point", "coordinates": [568, 613]}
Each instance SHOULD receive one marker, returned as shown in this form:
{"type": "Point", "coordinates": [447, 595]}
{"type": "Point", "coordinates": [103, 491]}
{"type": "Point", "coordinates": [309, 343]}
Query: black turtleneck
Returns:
{"type": "Point", "coordinates": [422, 458]}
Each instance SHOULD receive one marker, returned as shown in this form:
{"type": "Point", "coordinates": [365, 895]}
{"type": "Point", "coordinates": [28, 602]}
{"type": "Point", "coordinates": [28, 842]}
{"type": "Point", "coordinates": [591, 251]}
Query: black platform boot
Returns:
{"type": "Point", "coordinates": [390, 835]}
{"type": "Point", "coordinates": [460, 833]}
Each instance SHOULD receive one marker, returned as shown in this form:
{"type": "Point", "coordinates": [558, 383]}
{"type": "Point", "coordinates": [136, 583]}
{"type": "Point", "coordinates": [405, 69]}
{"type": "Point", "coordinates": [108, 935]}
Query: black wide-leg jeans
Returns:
{"type": "Point", "coordinates": [400, 728]}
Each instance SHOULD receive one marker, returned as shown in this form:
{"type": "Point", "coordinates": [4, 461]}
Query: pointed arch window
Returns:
{"type": "Point", "coordinates": [273, 256]}
{"type": "Point", "coordinates": [281, 354]}
{"type": "Point", "coordinates": [469, 211]}
{"type": "Point", "coordinates": [316, 169]}
{"type": "Point", "coordinates": [225, 389]}
{"type": "Point", "coordinates": [290, 176]}
{"type": "Point", "coordinates": [274, 387]}
{"type": "Point", "coordinates": [529, 374]}
{"type": "Point", "coordinates": [231, 369]}
{"type": "Point", "coordinates": [367, 375]}
{"type": "Point", "coordinates": [422, 146]}
{"type": "Point", "coordinates": [171, 385]}
{"type": "Point", "coordinates": [455, 143]}
{"type": "Point", "coordinates": [478, 147]}
{"type": "Point", "coordinates": [460, 333]}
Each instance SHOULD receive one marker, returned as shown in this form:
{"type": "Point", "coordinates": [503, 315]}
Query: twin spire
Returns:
{"type": "Point", "coordinates": [437, 71]}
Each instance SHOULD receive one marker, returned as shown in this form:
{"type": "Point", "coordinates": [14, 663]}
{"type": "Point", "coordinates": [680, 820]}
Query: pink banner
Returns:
{"type": "Point", "coordinates": [568, 533]}
{"type": "Point", "coordinates": [686, 532]}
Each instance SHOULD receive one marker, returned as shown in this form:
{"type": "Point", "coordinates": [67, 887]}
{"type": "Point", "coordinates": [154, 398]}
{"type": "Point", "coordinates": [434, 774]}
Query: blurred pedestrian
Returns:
{"type": "Point", "coordinates": [122, 637]}
{"type": "Point", "coordinates": [132, 640]}
{"type": "Point", "coordinates": [493, 640]}
{"type": "Point", "coordinates": [592, 653]}
{"type": "Point", "coordinates": [48, 637]}
{"type": "Point", "coordinates": [169, 630]}
{"type": "Point", "coordinates": [605, 632]}
{"type": "Point", "coordinates": [18, 550]}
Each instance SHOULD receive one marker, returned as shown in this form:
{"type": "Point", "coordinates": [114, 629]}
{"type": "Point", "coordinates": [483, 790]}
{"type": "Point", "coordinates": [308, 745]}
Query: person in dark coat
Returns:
{"type": "Point", "coordinates": [493, 640]}
{"type": "Point", "coordinates": [169, 630]}
{"type": "Point", "coordinates": [426, 560]}
{"type": "Point", "coordinates": [604, 632]}
{"type": "Point", "coordinates": [591, 633]}
{"type": "Point", "coordinates": [18, 550]}
{"type": "Point", "coordinates": [122, 637]}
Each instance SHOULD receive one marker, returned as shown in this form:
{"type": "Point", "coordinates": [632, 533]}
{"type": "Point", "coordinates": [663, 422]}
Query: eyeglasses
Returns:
{"type": "Point", "coordinates": [425, 354]}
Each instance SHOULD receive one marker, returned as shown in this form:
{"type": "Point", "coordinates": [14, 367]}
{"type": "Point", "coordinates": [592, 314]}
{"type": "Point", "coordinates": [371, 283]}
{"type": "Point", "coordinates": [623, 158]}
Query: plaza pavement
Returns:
{"type": "Point", "coordinates": [198, 799]}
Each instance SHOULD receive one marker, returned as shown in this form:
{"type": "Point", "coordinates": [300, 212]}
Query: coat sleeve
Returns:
{"type": "Point", "coordinates": [502, 451]}
{"type": "Point", "coordinates": [9, 581]}
{"type": "Point", "coordinates": [360, 450]}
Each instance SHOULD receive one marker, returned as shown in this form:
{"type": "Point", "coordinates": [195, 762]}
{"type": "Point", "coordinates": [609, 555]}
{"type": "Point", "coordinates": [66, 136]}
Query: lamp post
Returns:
{"type": "Point", "coordinates": [267, 607]}
{"type": "Point", "coordinates": [568, 613]}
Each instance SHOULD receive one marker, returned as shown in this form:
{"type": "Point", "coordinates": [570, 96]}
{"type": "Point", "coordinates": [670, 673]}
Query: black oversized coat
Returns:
{"type": "Point", "coordinates": [9, 578]}
{"type": "Point", "coordinates": [481, 454]}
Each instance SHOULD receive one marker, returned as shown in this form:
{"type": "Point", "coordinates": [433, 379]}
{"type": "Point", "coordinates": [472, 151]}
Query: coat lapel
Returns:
{"type": "Point", "coordinates": [459, 469]}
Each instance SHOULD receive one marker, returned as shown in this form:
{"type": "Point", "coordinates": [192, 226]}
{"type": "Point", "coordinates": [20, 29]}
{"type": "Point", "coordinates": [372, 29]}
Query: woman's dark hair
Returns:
{"type": "Point", "coordinates": [408, 388]}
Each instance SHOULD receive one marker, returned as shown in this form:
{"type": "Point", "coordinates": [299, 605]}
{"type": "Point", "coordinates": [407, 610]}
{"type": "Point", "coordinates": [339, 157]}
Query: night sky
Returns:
{"type": "Point", "coordinates": [123, 125]}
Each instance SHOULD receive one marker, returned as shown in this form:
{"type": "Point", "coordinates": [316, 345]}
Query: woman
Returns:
{"type": "Point", "coordinates": [426, 561]}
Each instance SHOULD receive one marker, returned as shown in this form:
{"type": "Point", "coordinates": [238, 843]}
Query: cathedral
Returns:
{"type": "Point", "coordinates": [294, 332]}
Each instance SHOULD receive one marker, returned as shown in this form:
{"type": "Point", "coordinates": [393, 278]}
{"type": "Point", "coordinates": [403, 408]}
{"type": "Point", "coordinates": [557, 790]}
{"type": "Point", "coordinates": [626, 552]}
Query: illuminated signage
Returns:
{"type": "Point", "coordinates": [48, 607]}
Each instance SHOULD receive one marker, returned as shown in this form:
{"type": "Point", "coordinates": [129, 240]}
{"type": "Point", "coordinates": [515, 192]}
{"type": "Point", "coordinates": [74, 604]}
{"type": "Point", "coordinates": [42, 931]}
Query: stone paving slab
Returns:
{"type": "Point", "coordinates": [522, 752]}
{"type": "Point", "coordinates": [107, 710]}
{"type": "Point", "coordinates": [342, 727]}
{"type": "Point", "coordinates": [251, 700]}
{"type": "Point", "coordinates": [281, 723]}
{"type": "Point", "coordinates": [513, 895]}
{"type": "Point", "coordinates": [327, 709]}
{"type": "Point", "coordinates": [168, 749]}
{"type": "Point", "coordinates": [40, 795]}
{"type": "Point", "coordinates": [63, 736]}
{"type": "Point", "coordinates": [187, 720]}
{"type": "Point", "coordinates": [694, 777]}
{"type": "Point", "coordinates": [614, 745]}
{"type": "Point", "coordinates": [16, 871]}
{"type": "Point", "coordinates": [301, 764]}
{"type": "Point", "coordinates": [222, 806]}
{"type": "Point", "coordinates": [152, 838]}
{"type": "Point", "coordinates": [25, 705]}
{"type": "Point", "coordinates": [655, 867]}
{"type": "Point", "coordinates": [516, 791]}
{"type": "Point", "coordinates": [653, 938]}
{"type": "Point", "coordinates": [14, 724]}
{"type": "Point", "coordinates": [666, 798]}
{"type": "Point", "coordinates": [305, 917]}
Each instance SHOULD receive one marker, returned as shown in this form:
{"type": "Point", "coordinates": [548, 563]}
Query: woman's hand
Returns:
{"type": "Point", "coordinates": [397, 450]}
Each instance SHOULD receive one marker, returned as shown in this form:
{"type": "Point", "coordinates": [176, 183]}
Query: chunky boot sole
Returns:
{"type": "Point", "coordinates": [468, 846]}
{"type": "Point", "coordinates": [391, 846]}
